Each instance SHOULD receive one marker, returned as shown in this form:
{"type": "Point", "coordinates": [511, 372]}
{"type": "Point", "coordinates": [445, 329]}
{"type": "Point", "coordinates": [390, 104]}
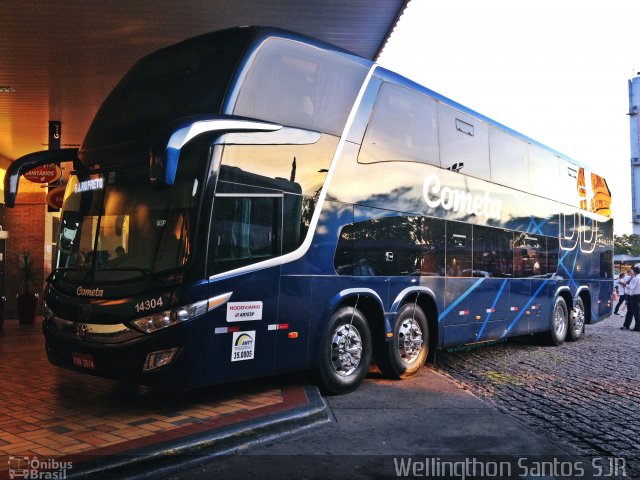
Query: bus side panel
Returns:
{"type": "Point", "coordinates": [477, 309]}
{"type": "Point", "coordinates": [520, 295]}
{"type": "Point", "coordinates": [493, 309]}
{"type": "Point", "coordinates": [319, 259]}
{"type": "Point", "coordinates": [601, 304]}
{"type": "Point", "coordinates": [596, 302]}
{"type": "Point", "coordinates": [460, 300]}
{"type": "Point", "coordinates": [191, 369]}
{"type": "Point", "coordinates": [540, 305]}
{"type": "Point", "coordinates": [293, 333]}
{"type": "Point", "coordinates": [239, 342]}
{"type": "Point", "coordinates": [605, 295]}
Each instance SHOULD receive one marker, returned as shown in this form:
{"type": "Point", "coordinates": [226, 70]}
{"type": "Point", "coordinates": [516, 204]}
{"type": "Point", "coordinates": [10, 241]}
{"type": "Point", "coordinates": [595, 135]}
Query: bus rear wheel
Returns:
{"type": "Point", "coordinates": [577, 321]}
{"type": "Point", "coordinates": [346, 352]}
{"type": "Point", "coordinates": [559, 323]}
{"type": "Point", "coordinates": [404, 355]}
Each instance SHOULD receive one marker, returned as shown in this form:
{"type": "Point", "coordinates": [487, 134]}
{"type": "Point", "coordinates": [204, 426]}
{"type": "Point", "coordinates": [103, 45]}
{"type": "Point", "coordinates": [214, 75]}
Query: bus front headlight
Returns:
{"type": "Point", "coordinates": [168, 318]}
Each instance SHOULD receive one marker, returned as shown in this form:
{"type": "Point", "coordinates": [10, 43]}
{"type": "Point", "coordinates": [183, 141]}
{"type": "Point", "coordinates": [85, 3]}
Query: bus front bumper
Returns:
{"type": "Point", "coordinates": [118, 353]}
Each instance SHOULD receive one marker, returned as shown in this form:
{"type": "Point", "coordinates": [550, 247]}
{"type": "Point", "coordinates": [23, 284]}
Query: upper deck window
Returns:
{"type": "Point", "coordinates": [300, 85]}
{"type": "Point", "coordinates": [464, 142]}
{"type": "Point", "coordinates": [403, 128]}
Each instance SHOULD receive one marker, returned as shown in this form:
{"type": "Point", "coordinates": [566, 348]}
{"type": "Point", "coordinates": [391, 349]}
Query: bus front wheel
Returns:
{"type": "Point", "coordinates": [346, 352]}
{"type": "Point", "coordinates": [405, 353]}
{"type": "Point", "coordinates": [559, 323]}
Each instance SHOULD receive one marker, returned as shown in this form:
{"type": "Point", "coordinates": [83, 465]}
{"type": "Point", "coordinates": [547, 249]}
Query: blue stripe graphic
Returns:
{"type": "Point", "coordinates": [515, 320]}
{"type": "Point", "coordinates": [535, 227]}
{"type": "Point", "coordinates": [566, 270]}
{"type": "Point", "coordinates": [459, 299]}
{"type": "Point", "coordinates": [495, 301]}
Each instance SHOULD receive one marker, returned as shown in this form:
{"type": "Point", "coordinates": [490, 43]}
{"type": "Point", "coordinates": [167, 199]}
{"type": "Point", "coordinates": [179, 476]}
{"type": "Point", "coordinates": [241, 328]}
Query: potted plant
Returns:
{"type": "Point", "coordinates": [27, 300]}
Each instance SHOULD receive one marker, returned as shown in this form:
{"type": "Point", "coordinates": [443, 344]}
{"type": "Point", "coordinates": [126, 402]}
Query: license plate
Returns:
{"type": "Point", "coordinates": [83, 360]}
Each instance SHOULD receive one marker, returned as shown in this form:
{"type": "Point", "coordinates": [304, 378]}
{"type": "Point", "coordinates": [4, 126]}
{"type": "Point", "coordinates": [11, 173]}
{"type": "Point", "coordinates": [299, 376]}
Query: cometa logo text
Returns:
{"type": "Point", "coordinates": [460, 201]}
{"type": "Point", "coordinates": [89, 292]}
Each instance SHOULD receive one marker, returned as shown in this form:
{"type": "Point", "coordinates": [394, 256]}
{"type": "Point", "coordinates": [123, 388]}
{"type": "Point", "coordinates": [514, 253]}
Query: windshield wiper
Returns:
{"type": "Point", "coordinates": [52, 275]}
{"type": "Point", "coordinates": [146, 273]}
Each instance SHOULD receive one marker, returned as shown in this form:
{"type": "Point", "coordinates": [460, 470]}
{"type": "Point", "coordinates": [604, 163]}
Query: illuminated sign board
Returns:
{"type": "Point", "coordinates": [55, 197]}
{"type": "Point", "coordinates": [44, 174]}
{"type": "Point", "coordinates": [88, 185]}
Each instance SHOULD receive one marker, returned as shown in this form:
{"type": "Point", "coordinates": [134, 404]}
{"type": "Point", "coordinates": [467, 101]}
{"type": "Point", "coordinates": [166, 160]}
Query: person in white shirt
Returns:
{"type": "Point", "coordinates": [622, 281]}
{"type": "Point", "coordinates": [632, 291]}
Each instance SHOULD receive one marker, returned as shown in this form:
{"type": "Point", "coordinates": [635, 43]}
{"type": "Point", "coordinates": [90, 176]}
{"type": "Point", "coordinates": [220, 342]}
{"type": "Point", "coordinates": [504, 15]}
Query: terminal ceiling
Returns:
{"type": "Point", "coordinates": [60, 59]}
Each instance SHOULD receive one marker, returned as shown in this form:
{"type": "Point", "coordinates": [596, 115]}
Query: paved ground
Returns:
{"type": "Point", "coordinates": [386, 422]}
{"type": "Point", "coordinates": [579, 400]}
{"type": "Point", "coordinates": [49, 413]}
{"type": "Point", "coordinates": [584, 394]}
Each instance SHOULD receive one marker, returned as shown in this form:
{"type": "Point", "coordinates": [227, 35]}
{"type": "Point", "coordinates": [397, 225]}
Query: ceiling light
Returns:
{"type": "Point", "coordinates": [7, 89]}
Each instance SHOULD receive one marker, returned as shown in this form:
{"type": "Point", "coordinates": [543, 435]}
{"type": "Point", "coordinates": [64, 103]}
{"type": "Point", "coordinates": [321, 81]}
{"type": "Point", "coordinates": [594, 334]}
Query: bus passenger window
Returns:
{"type": "Point", "coordinates": [384, 246]}
{"type": "Point", "coordinates": [403, 128]}
{"type": "Point", "coordinates": [529, 255]}
{"type": "Point", "coordinates": [552, 256]}
{"type": "Point", "coordinates": [492, 253]}
{"type": "Point", "coordinates": [459, 250]}
{"type": "Point", "coordinates": [432, 260]}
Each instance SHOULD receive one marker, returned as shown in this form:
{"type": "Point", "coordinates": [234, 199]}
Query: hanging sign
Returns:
{"type": "Point", "coordinates": [44, 174]}
{"type": "Point", "coordinates": [55, 134]}
{"type": "Point", "coordinates": [55, 197]}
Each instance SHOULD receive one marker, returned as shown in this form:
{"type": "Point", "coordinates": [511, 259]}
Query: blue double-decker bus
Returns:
{"type": "Point", "coordinates": [252, 202]}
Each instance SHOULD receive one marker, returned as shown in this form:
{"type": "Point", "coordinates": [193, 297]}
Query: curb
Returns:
{"type": "Point", "coordinates": [168, 457]}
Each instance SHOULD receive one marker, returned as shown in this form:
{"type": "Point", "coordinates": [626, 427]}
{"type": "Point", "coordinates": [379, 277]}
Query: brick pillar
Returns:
{"type": "Point", "coordinates": [26, 225]}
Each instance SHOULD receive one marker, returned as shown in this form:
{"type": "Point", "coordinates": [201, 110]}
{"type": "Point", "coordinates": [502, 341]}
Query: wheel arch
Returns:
{"type": "Point", "coordinates": [364, 299]}
{"type": "Point", "coordinates": [585, 295]}
{"type": "Point", "coordinates": [426, 300]}
{"type": "Point", "coordinates": [565, 293]}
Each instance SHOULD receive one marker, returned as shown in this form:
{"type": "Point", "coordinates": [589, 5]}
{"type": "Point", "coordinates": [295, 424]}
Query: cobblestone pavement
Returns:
{"type": "Point", "coordinates": [586, 393]}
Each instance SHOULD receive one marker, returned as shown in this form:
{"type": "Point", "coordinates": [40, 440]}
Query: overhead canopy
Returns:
{"type": "Point", "coordinates": [60, 59]}
{"type": "Point", "coordinates": [625, 259]}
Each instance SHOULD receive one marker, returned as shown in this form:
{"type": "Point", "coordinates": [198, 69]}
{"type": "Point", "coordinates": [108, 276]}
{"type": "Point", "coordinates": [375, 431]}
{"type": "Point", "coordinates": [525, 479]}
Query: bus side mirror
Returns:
{"type": "Point", "coordinates": [166, 149]}
{"type": "Point", "coordinates": [30, 161]}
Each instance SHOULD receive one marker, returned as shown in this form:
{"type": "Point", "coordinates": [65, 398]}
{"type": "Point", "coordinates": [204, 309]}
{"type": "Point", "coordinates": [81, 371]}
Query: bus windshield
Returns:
{"type": "Point", "coordinates": [185, 79]}
{"type": "Point", "coordinates": [115, 227]}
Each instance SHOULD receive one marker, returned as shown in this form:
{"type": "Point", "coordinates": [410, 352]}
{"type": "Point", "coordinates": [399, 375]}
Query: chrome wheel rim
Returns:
{"type": "Point", "coordinates": [559, 324]}
{"type": "Point", "coordinates": [578, 318]}
{"type": "Point", "coordinates": [409, 340]}
{"type": "Point", "coordinates": [346, 350]}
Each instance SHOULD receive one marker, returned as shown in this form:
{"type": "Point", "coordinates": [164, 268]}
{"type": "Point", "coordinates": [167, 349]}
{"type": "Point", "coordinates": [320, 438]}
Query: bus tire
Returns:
{"type": "Point", "coordinates": [404, 355]}
{"type": "Point", "coordinates": [559, 323]}
{"type": "Point", "coordinates": [345, 352]}
{"type": "Point", "coordinates": [576, 321]}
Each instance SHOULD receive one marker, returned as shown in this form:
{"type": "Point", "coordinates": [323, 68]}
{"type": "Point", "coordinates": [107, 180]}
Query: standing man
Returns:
{"type": "Point", "coordinates": [621, 283]}
{"type": "Point", "coordinates": [633, 300]}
